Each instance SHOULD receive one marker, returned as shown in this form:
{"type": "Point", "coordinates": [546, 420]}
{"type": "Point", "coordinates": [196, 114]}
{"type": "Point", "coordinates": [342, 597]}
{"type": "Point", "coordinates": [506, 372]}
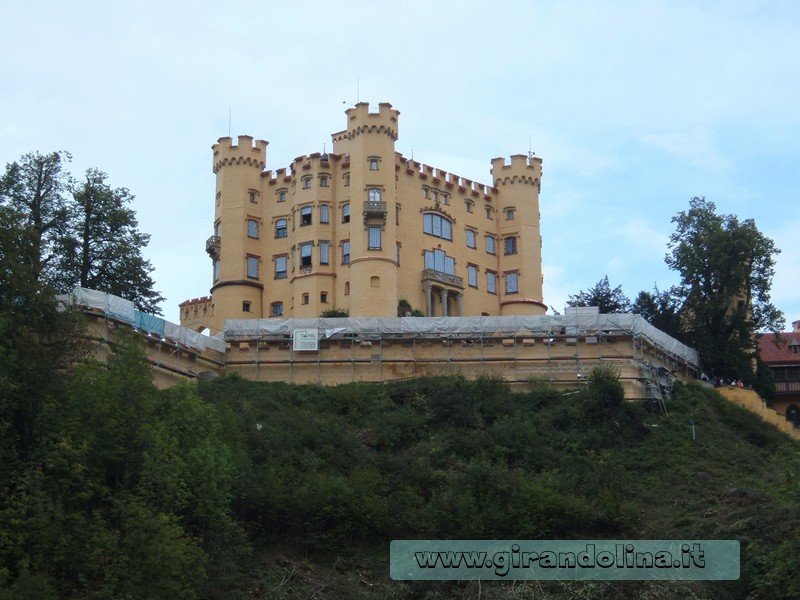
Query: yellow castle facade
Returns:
{"type": "Point", "coordinates": [363, 228]}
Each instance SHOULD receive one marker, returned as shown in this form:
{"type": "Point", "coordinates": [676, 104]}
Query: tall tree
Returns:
{"type": "Point", "coordinates": [661, 310]}
{"type": "Point", "coordinates": [103, 246]}
{"type": "Point", "coordinates": [36, 187]}
{"type": "Point", "coordinates": [602, 296]}
{"type": "Point", "coordinates": [726, 268]}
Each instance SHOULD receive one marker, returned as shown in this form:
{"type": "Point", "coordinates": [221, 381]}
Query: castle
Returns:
{"type": "Point", "coordinates": [363, 228]}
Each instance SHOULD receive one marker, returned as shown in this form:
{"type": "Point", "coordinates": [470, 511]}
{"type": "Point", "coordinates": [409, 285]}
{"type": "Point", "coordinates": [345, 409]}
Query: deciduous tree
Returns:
{"type": "Point", "coordinates": [726, 268]}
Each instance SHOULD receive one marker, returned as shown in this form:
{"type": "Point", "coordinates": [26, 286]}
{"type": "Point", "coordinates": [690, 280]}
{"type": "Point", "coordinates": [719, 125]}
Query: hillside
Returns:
{"type": "Point", "coordinates": [333, 474]}
{"type": "Point", "coordinates": [237, 489]}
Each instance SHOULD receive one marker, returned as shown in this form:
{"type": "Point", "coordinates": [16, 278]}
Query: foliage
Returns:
{"type": "Point", "coordinates": [90, 239]}
{"type": "Point", "coordinates": [404, 309]}
{"type": "Point", "coordinates": [334, 313]}
{"type": "Point", "coordinates": [661, 309]}
{"type": "Point", "coordinates": [35, 189]}
{"type": "Point", "coordinates": [602, 296]}
{"type": "Point", "coordinates": [726, 268]}
{"type": "Point", "coordinates": [103, 247]}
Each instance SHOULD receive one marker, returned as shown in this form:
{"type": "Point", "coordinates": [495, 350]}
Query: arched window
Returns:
{"type": "Point", "coordinates": [437, 225]}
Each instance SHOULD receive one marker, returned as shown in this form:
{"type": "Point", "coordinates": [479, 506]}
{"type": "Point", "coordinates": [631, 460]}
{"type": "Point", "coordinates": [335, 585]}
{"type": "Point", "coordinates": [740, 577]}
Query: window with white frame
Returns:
{"type": "Point", "coordinates": [471, 239]}
{"type": "Point", "coordinates": [374, 195]}
{"type": "Point", "coordinates": [324, 252]}
{"type": "Point", "coordinates": [280, 267]}
{"type": "Point", "coordinates": [491, 282]}
{"type": "Point", "coordinates": [252, 228]}
{"type": "Point", "coordinates": [490, 244]}
{"type": "Point", "coordinates": [280, 228]}
{"type": "Point", "coordinates": [346, 252]}
{"type": "Point", "coordinates": [305, 216]}
{"type": "Point", "coordinates": [252, 267]}
{"type": "Point", "coordinates": [305, 255]}
{"type": "Point", "coordinates": [374, 237]}
{"type": "Point", "coordinates": [472, 275]}
{"type": "Point", "coordinates": [437, 225]}
{"type": "Point", "coordinates": [439, 261]}
{"type": "Point", "coordinates": [373, 163]}
{"type": "Point", "coordinates": [512, 282]}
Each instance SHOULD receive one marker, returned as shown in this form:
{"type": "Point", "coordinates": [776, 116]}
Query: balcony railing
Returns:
{"type": "Point", "coordinates": [445, 278]}
{"type": "Point", "coordinates": [212, 246]}
{"type": "Point", "coordinates": [374, 208]}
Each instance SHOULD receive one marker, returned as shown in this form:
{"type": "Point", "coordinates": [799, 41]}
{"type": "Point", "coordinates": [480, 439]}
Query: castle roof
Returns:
{"type": "Point", "coordinates": [784, 352]}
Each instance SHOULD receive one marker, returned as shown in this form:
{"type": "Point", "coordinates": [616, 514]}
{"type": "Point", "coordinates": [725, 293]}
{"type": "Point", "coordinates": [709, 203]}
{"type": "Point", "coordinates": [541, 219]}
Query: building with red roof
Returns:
{"type": "Point", "coordinates": [782, 356]}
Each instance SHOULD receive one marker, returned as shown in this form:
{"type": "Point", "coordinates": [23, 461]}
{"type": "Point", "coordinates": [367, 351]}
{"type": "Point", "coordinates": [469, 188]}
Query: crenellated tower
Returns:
{"type": "Point", "coordinates": [369, 140]}
{"type": "Point", "coordinates": [519, 234]}
{"type": "Point", "coordinates": [236, 254]}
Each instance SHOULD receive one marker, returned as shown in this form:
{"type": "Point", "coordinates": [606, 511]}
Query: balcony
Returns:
{"type": "Point", "coordinates": [374, 208]}
{"type": "Point", "coordinates": [212, 246]}
{"type": "Point", "coordinates": [443, 278]}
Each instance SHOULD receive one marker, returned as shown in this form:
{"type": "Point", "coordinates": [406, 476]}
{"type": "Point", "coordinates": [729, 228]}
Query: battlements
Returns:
{"type": "Point", "coordinates": [440, 177]}
{"type": "Point", "coordinates": [523, 169]}
{"type": "Point", "coordinates": [360, 119]}
{"type": "Point", "coordinates": [243, 152]}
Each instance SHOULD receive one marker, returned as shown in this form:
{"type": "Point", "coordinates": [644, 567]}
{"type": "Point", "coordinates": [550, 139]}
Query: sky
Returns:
{"type": "Point", "coordinates": [634, 107]}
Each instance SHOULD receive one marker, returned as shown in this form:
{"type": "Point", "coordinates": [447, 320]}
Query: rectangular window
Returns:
{"type": "Point", "coordinates": [346, 252]}
{"type": "Point", "coordinates": [305, 216]}
{"type": "Point", "coordinates": [307, 183]}
{"type": "Point", "coordinates": [246, 306]}
{"type": "Point", "coordinates": [324, 252]}
{"type": "Point", "coordinates": [323, 297]}
{"type": "Point", "coordinates": [346, 213]}
{"type": "Point", "coordinates": [282, 196]}
{"type": "Point", "coordinates": [252, 267]}
{"type": "Point", "coordinates": [217, 228]}
{"type": "Point", "coordinates": [471, 242]}
{"type": "Point", "coordinates": [280, 228]}
{"type": "Point", "coordinates": [374, 238]}
{"type": "Point", "coordinates": [305, 298]}
{"type": "Point", "coordinates": [472, 275]}
{"type": "Point", "coordinates": [510, 214]}
{"type": "Point", "coordinates": [277, 309]}
{"type": "Point", "coordinates": [373, 164]}
{"type": "Point", "coordinates": [323, 182]}
{"type": "Point", "coordinates": [491, 282]}
{"type": "Point", "coordinates": [280, 267]}
{"type": "Point", "coordinates": [490, 242]}
{"type": "Point", "coordinates": [512, 283]}
{"type": "Point", "coordinates": [252, 228]}
{"type": "Point", "coordinates": [511, 245]}
{"type": "Point", "coordinates": [305, 255]}
{"type": "Point", "coordinates": [397, 252]}
{"type": "Point", "coordinates": [323, 213]}
{"type": "Point", "coordinates": [439, 261]}
{"type": "Point", "coordinates": [216, 270]}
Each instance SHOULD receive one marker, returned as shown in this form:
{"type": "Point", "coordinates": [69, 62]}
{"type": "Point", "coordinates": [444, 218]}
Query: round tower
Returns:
{"type": "Point", "coordinates": [373, 193]}
{"type": "Point", "coordinates": [520, 240]}
{"type": "Point", "coordinates": [238, 267]}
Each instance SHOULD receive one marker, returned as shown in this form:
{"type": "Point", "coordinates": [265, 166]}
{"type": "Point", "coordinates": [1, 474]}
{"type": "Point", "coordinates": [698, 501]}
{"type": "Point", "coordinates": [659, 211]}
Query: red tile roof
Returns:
{"type": "Point", "coordinates": [783, 354]}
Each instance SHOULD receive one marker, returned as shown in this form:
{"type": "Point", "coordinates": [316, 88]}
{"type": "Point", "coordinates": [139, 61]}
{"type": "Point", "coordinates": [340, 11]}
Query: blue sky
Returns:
{"type": "Point", "coordinates": [634, 107]}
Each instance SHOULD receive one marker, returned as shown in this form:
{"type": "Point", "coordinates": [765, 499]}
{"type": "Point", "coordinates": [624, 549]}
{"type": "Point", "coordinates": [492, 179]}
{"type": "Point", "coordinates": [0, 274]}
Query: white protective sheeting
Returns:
{"type": "Point", "coordinates": [123, 310]}
{"type": "Point", "coordinates": [574, 324]}
{"type": "Point", "coordinates": [113, 306]}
